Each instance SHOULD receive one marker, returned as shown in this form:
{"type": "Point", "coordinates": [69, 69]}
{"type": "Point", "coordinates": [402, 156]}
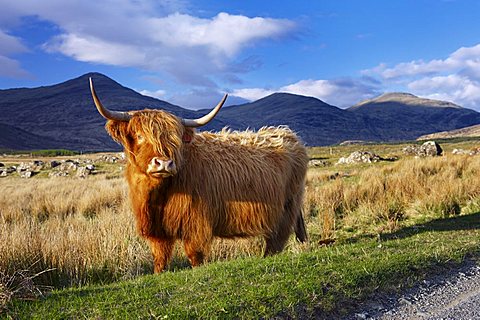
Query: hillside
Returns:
{"type": "Point", "coordinates": [317, 122]}
{"type": "Point", "coordinates": [63, 116]}
{"type": "Point", "coordinates": [472, 131]}
{"type": "Point", "coordinates": [402, 116]}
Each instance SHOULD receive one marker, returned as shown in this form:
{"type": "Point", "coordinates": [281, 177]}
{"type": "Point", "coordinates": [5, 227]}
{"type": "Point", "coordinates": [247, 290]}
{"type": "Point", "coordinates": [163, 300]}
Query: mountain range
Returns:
{"type": "Point", "coordinates": [63, 116]}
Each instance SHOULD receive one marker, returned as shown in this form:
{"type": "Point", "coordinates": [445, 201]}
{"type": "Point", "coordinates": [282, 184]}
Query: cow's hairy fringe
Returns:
{"type": "Point", "coordinates": [162, 130]}
{"type": "Point", "coordinates": [267, 137]}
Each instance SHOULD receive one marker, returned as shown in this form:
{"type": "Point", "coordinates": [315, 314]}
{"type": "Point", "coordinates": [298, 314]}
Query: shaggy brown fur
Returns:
{"type": "Point", "coordinates": [228, 184]}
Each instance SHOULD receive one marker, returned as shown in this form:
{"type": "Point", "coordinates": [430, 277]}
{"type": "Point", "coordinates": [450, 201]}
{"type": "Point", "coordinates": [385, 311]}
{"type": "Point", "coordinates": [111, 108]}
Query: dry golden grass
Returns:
{"type": "Point", "coordinates": [378, 198]}
{"type": "Point", "coordinates": [84, 230]}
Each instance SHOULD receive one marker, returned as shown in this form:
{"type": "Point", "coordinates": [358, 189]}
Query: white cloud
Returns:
{"type": "Point", "coordinates": [9, 46]}
{"type": "Point", "coordinates": [151, 35]}
{"type": "Point", "coordinates": [462, 59]}
{"type": "Point", "coordinates": [224, 34]}
{"type": "Point", "coordinates": [455, 78]}
{"type": "Point", "coordinates": [91, 49]}
{"type": "Point", "coordinates": [252, 94]}
{"type": "Point", "coordinates": [11, 68]}
{"type": "Point", "coordinates": [457, 88]}
{"type": "Point", "coordinates": [159, 94]}
{"type": "Point", "coordinates": [338, 92]}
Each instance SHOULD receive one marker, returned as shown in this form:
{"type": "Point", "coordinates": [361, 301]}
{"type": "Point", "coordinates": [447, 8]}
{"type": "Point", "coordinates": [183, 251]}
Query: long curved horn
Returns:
{"type": "Point", "coordinates": [206, 118]}
{"type": "Point", "coordinates": [108, 114]}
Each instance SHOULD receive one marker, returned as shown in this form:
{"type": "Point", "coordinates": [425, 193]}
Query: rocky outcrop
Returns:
{"type": "Point", "coordinates": [318, 163]}
{"type": "Point", "coordinates": [56, 168]}
{"type": "Point", "coordinates": [471, 152]}
{"type": "Point", "coordinates": [427, 149]}
{"type": "Point", "coordinates": [360, 157]}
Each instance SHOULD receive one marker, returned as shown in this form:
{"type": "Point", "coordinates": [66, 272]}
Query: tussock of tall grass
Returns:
{"type": "Point", "coordinates": [82, 228]}
{"type": "Point", "coordinates": [379, 198]}
{"type": "Point", "coordinates": [85, 231]}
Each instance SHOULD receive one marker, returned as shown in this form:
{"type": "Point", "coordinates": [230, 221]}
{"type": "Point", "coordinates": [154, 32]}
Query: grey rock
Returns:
{"type": "Point", "coordinates": [54, 164]}
{"type": "Point", "coordinates": [427, 149]}
{"type": "Point", "coordinates": [360, 157]}
{"type": "Point", "coordinates": [27, 174]}
{"type": "Point", "coordinates": [318, 163]}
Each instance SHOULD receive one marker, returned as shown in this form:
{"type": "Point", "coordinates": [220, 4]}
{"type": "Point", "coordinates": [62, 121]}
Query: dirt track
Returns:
{"type": "Point", "coordinates": [452, 295]}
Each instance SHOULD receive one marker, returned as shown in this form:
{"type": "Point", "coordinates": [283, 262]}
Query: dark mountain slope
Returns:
{"type": "Point", "coordinates": [402, 116]}
{"type": "Point", "coordinates": [65, 112]}
{"type": "Point", "coordinates": [64, 116]}
{"type": "Point", "coordinates": [17, 139]}
{"type": "Point", "coordinates": [317, 122]}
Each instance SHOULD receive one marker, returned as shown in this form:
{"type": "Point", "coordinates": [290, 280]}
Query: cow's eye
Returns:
{"type": "Point", "coordinates": [140, 138]}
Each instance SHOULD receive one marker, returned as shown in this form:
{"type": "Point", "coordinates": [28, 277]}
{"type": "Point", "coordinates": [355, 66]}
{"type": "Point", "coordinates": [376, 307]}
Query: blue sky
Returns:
{"type": "Point", "coordinates": [191, 52]}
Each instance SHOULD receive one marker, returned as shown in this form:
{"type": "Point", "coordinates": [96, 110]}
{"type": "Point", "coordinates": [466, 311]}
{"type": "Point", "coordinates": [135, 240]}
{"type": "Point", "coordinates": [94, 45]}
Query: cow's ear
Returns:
{"type": "Point", "coordinates": [118, 130]}
{"type": "Point", "coordinates": [188, 135]}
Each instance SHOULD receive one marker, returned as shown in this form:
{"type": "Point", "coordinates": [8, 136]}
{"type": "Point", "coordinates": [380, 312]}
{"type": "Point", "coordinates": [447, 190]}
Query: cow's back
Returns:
{"type": "Point", "coordinates": [238, 181]}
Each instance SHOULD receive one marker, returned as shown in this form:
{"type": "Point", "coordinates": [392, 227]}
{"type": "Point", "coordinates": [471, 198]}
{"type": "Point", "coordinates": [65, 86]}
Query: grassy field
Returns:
{"type": "Point", "coordinates": [387, 224]}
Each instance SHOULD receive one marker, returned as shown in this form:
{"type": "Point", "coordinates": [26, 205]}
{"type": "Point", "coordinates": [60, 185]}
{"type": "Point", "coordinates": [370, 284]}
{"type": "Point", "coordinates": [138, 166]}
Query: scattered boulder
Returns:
{"type": "Point", "coordinates": [431, 149]}
{"type": "Point", "coordinates": [410, 150]}
{"type": "Point", "coordinates": [38, 163]}
{"type": "Point", "coordinates": [459, 151]}
{"type": "Point", "coordinates": [27, 174]}
{"type": "Point", "coordinates": [318, 163]}
{"type": "Point", "coordinates": [23, 166]}
{"type": "Point", "coordinates": [68, 165]}
{"type": "Point", "coordinates": [427, 149]}
{"type": "Point", "coordinates": [58, 173]}
{"type": "Point", "coordinates": [475, 151]}
{"type": "Point", "coordinates": [83, 172]}
{"type": "Point", "coordinates": [81, 167]}
{"type": "Point", "coordinates": [112, 158]}
{"type": "Point", "coordinates": [54, 163]}
{"type": "Point", "coordinates": [472, 152]}
{"type": "Point", "coordinates": [360, 157]}
{"type": "Point", "coordinates": [5, 171]}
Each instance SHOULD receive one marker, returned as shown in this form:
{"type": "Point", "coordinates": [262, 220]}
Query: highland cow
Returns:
{"type": "Point", "coordinates": [194, 186]}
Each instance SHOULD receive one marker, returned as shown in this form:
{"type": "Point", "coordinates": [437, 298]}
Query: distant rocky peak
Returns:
{"type": "Point", "coordinates": [407, 99]}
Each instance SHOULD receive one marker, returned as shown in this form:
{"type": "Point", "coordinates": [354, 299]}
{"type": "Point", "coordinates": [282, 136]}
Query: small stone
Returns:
{"type": "Point", "coordinates": [404, 301]}
{"type": "Point", "coordinates": [54, 164]}
{"type": "Point", "coordinates": [26, 174]}
{"type": "Point", "coordinates": [361, 315]}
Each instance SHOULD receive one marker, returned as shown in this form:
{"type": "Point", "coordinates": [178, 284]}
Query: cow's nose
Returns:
{"type": "Point", "coordinates": [158, 166]}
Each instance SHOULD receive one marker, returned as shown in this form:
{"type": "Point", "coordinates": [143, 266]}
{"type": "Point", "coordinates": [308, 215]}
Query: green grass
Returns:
{"type": "Point", "coordinates": [333, 153]}
{"type": "Point", "coordinates": [326, 282]}
{"type": "Point", "coordinates": [41, 153]}
{"type": "Point", "coordinates": [53, 153]}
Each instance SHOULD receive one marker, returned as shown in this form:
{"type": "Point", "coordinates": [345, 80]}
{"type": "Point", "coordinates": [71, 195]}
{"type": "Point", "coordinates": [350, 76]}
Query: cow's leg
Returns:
{"type": "Point", "coordinates": [275, 241]}
{"type": "Point", "coordinates": [196, 251]}
{"type": "Point", "coordinates": [162, 252]}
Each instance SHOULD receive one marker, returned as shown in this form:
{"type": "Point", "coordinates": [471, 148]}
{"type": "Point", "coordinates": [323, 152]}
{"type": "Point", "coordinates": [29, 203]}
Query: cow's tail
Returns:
{"type": "Point", "coordinates": [300, 230]}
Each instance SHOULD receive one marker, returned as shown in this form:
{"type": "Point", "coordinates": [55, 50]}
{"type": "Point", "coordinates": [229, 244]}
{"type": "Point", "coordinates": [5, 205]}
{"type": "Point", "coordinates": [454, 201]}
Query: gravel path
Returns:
{"type": "Point", "coordinates": [453, 295]}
